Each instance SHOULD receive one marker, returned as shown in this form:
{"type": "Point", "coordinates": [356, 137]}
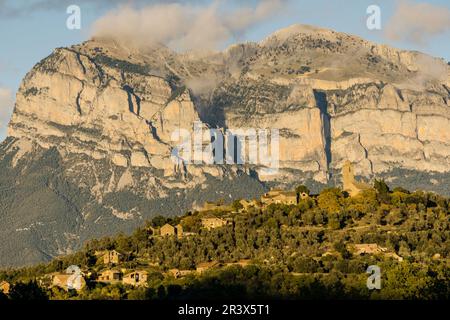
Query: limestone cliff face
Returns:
{"type": "Point", "coordinates": [384, 127]}
{"type": "Point", "coordinates": [70, 101]}
{"type": "Point", "coordinates": [332, 96]}
{"type": "Point", "coordinates": [336, 97]}
{"type": "Point", "coordinates": [93, 125]}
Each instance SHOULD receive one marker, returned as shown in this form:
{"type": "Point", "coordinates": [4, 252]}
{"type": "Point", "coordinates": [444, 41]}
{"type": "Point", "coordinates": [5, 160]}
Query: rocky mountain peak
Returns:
{"type": "Point", "coordinates": [131, 98]}
{"type": "Point", "coordinates": [300, 30]}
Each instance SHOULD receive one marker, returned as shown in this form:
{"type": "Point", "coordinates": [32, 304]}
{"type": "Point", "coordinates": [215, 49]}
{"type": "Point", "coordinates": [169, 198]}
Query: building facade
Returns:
{"type": "Point", "coordinates": [136, 278]}
{"type": "Point", "coordinates": [168, 230]}
{"type": "Point", "coordinates": [110, 276]}
{"type": "Point", "coordinates": [213, 222]}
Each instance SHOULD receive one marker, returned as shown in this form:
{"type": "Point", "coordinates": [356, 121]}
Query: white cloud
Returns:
{"type": "Point", "coordinates": [417, 22]}
{"type": "Point", "coordinates": [6, 107]}
{"type": "Point", "coordinates": [245, 17]}
{"type": "Point", "coordinates": [184, 27]}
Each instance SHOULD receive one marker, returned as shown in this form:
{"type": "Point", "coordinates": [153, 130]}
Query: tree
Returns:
{"type": "Point", "coordinates": [395, 217]}
{"type": "Point", "coordinates": [319, 218]}
{"type": "Point", "coordinates": [142, 234]}
{"type": "Point", "coordinates": [305, 265]}
{"type": "Point", "coordinates": [158, 221]}
{"type": "Point", "coordinates": [406, 281]}
{"type": "Point", "coordinates": [237, 205]}
{"type": "Point", "coordinates": [154, 278]}
{"type": "Point", "coordinates": [124, 243]}
{"type": "Point", "coordinates": [342, 249]}
{"type": "Point", "coordinates": [139, 294]}
{"type": "Point", "coordinates": [173, 291]}
{"type": "Point", "coordinates": [404, 250]}
{"type": "Point", "coordinates": [161, 293]}
{"type": "Point", "coordinates": [334, 221]}
{"type": "Point", "coordinates": [27, 291]}
{"type": "Point", "coordinates": [89, 259]}
{"type": "Point", "coordinates": [187, 263]}
{"type": "Point", "coordinates": [302, 189]}
{"type": "Point", "coordinates": [382, 191]}
{"type": "Point", "coordinates": [330, 200]}
{"type": "Point", "coordinates": [3, 296]}
{"type": "Point", "coordinates": [381, 186]}
{"type": "Point", "coordinates": [401, 190]}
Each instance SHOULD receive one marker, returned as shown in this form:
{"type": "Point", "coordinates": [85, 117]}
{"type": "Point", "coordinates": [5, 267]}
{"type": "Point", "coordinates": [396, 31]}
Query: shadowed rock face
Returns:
{"type": "Point", "coordinates": [90, 140]}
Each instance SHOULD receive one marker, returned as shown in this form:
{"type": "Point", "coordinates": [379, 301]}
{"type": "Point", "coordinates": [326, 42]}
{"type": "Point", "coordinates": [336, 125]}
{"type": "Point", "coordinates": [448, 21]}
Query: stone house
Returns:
{"type": "Point", "coordinates": [5, 287]}
{"type": "Point", "coordinates": [176, 273]}
{"type": "Point", "coordinates": [168, 230]}
{"type": "Point", "coordinates": [279, 197]}
{"type": "Point", "coordinates": [368, 248]}
{"type": "Point", "coordinates": [110, 276]}
{"type": "Point", "coordinates": [373, 248]}
{"type": "Point", "coordinates": [204, 266]}
{"type": "Point", "coordinates": [394, 256]}
{"type": "Point", "coordinates": [213, 222]}
{"type": "Point", "coordinates": [110, 256]}
{"type": "Point", "coordinates": [246, 204]}
{"type": "Point", "coordinates": [136, 278]}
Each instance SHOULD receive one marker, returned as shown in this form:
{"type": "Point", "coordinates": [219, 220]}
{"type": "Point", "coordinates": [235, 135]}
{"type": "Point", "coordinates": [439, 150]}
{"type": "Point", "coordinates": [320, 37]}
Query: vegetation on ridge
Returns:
{"type": "Point", "coordinates": [298, 251]}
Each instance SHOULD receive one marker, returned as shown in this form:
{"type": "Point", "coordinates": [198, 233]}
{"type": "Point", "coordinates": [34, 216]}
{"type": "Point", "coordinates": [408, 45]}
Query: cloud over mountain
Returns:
{"type": "Point", "coordinates": [417, 22]}
{"type": "Point", "coordinates": [184, 27]}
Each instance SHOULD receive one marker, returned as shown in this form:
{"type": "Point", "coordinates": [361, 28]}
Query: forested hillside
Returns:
{"type": "Point", "coordinates": [319, 248]}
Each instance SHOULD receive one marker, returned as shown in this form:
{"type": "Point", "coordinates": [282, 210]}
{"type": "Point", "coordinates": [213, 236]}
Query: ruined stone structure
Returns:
{"type": "Point", "coordinates": [110, 276]}
{"type": "Point", "coordinates": [136, 278]}
{"type": "Point", "coordinates": [352, 186]}
{"type": "Point", "coordinates": [213, 222]}
{"type": "Point", "coordinates": [112, 257]}
{"type": "Point", "coordinates": [279, 197]}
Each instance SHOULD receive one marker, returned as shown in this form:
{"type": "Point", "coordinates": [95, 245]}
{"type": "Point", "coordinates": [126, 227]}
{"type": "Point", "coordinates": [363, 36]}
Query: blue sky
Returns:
{"type": "Point", "coordinates": [31, 29]}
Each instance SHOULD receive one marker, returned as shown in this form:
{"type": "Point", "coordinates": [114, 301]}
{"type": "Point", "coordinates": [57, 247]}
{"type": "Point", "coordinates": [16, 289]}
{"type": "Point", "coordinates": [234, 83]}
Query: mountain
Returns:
{"type": "Point", "coordinates": [90, 144]}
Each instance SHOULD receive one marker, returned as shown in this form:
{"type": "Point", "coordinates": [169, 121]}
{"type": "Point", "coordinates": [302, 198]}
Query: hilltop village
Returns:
{"type": "Point", "coordinates": [294, 232]}
{"type": "Point", "coordinates": [213, 216]}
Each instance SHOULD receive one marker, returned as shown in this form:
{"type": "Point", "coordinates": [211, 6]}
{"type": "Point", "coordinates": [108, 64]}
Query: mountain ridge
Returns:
{"type": "Point", "coordinates": [96, 121]}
